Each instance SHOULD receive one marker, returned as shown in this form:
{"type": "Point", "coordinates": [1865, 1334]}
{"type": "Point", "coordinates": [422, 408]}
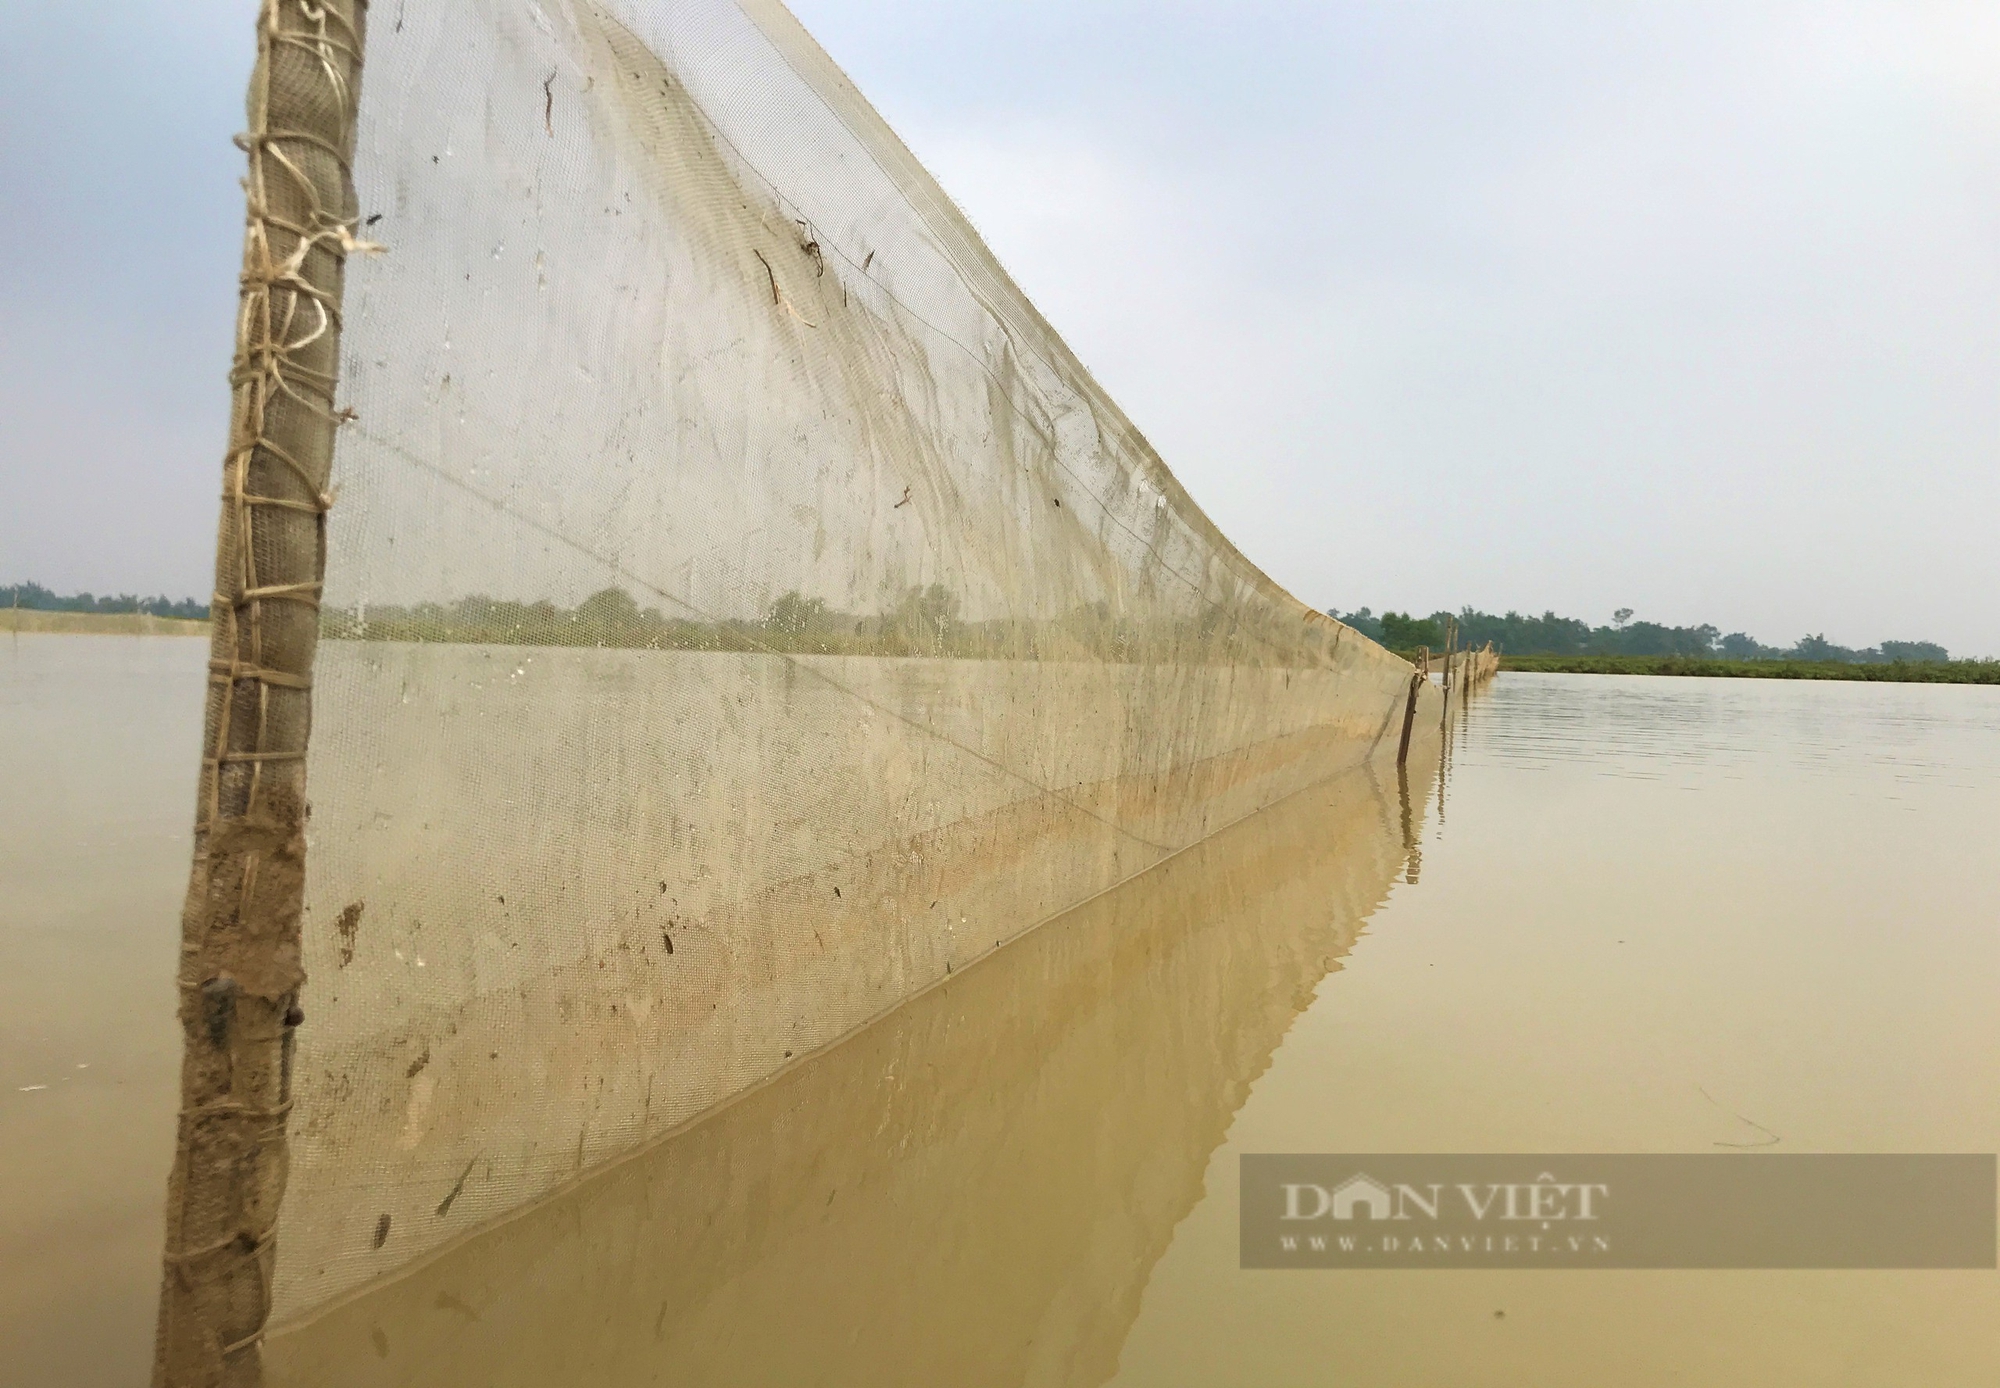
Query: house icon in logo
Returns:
{"type": "Point", "coordinates": [1363, 1189]}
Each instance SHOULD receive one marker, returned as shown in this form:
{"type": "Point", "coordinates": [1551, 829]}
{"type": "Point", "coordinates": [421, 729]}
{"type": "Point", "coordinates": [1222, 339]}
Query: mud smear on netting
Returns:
{"type": "Point", "coordinates": [543, 1004]}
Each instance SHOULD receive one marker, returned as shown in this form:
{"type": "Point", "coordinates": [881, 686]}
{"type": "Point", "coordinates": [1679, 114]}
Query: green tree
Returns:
{"type": "Point", "coordinates": [1402, 632]}
{"type": "Point", "coordinates": [926, 617]}
{"type": "Point", "coordinates": [1363, 621]}
{"type": "Point", "coordinates": [1819, 648]}
{"type": "Point", "coordinates": [794, 614]}
{"type": "Point", "coordinates": [609, 612]}
{"type": "Point", "coordinates": [1741, 645]}
{"type": "Point", "coordinates": [1914, 652]}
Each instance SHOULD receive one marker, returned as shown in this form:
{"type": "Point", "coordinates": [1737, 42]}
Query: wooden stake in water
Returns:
{"type": "Point", "coordinates": [1417, 678]}
{"type": "Point", "coordinates": [1450, 636]}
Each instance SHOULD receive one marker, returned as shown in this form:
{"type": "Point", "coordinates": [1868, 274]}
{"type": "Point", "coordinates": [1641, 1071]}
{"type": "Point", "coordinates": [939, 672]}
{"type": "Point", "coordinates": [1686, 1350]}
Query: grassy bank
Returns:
{"type": "Point", "coordinates": [97, 623]}
{"type": "Point", "coordinates": [1929, 672]}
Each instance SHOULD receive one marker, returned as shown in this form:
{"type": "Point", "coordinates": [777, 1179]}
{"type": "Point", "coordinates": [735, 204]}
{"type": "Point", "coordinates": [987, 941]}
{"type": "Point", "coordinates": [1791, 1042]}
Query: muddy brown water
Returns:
{"type": "Point", "coordinates": [1645, 913]}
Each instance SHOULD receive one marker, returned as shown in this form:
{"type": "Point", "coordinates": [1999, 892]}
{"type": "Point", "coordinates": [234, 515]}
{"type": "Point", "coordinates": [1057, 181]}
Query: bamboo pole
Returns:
{"type": "Point", "coordinates": [1450, 635]}
{"type": "Point", "coordinates": [1417, 678]}
{"type": "Point", "coordinates": [240, 959]}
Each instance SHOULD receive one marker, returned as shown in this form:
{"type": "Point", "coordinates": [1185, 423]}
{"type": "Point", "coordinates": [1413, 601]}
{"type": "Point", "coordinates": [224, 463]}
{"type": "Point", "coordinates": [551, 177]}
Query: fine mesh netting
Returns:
{"type": "Point", "coordinates": [741, 610]}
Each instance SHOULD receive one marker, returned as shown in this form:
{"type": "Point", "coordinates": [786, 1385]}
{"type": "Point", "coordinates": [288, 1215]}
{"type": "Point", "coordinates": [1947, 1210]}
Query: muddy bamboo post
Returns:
{"type": "Point", "coordinates": [240, 966]}
{"type": "Point", "coordinates": [1417, 678]}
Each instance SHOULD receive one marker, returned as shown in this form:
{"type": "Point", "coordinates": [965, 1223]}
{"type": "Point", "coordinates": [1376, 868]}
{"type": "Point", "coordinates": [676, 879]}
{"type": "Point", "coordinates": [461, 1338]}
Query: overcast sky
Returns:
{"type": "Point", "coordinates": [1688, 308]}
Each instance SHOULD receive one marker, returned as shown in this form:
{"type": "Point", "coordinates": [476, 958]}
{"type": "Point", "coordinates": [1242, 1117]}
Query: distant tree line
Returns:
{"type": "Point", "coordinates": [36, 598]}
{"type": "Point", "coordinates": [1548, 634]}
{"type": "Point", "coordinates": [926, 621]}
{"type": "Point", "coordinates": [922, 620]}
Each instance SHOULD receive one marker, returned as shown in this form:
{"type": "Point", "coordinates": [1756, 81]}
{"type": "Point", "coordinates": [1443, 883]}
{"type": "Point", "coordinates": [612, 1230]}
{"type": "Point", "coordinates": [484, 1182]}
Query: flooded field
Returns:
{"type": "Point", "coordinates": [1624, 915]}
{"type": "Point", "coordinates": [1659, 915]}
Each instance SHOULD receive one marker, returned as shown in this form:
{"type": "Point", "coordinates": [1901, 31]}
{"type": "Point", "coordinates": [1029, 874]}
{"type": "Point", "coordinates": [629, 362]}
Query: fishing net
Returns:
{"type": "Point", "coordinates": [740, 611]}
